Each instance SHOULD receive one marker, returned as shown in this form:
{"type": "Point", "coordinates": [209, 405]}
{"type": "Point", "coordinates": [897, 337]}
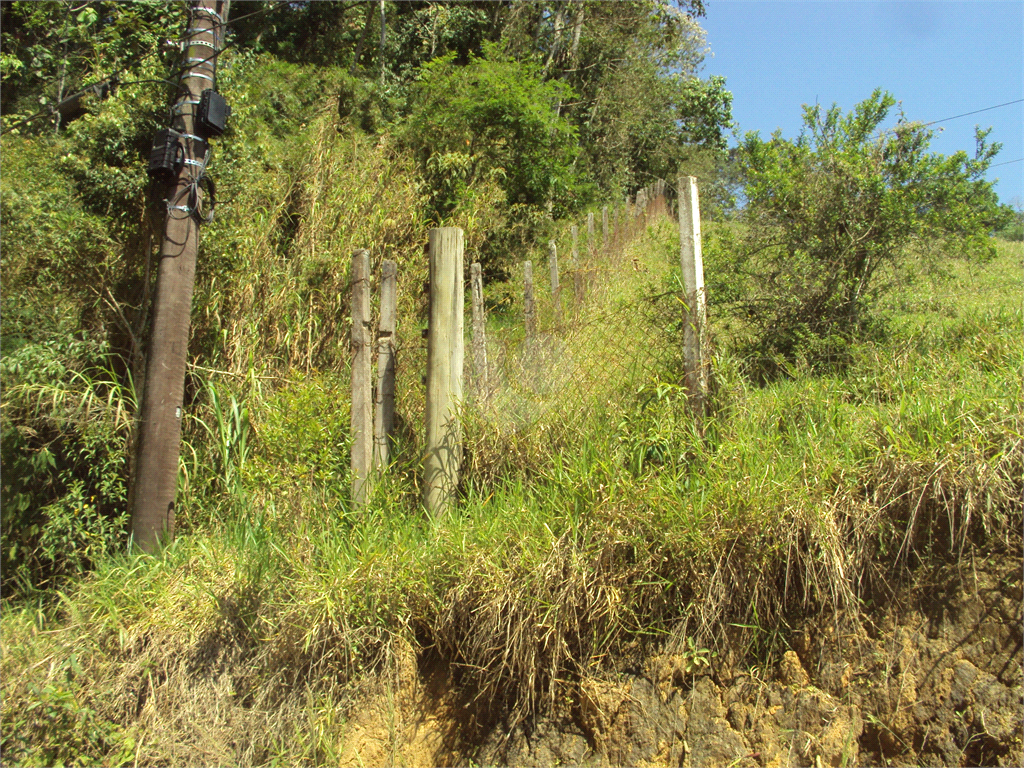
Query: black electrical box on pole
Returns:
{"type": "Point", "coordinates": [177, 165]}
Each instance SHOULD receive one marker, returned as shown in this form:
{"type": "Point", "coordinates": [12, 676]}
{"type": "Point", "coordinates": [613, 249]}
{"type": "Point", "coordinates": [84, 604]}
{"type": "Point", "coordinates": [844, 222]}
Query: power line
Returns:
{"type": "Point", "coordinates": [996, 165]}
{"type": "Point", "coordinates": [966, 114]}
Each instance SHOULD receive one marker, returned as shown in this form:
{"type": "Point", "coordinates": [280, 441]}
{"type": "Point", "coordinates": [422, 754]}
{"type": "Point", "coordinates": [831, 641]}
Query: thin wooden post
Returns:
{"type": "Point", "coordinates": [604, 227]}
{"type": "Point", "coordinates": [362, 413]}
{"type": "Point", "coordinates": [586, 278]}
{"type": "Point", "coordinates": [444, 369]}
{"type": "Point", "coordinates": [384, 411]}
{"type": "Point", "coordinates": [553, 269]}
{"type": "Point", "coordinates": [574, 264]}
{"type": "Point", "coordinates": [479, 331]}
{"type": "Point", "coordinates": [616, 234]}
{"type": "Point", "coordinates": [692, 263]}
{"type": "Point", "coordinates": [529, 310]}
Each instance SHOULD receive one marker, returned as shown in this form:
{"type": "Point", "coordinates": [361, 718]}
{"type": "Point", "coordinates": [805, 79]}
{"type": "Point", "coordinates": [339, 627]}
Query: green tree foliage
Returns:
{"type": "Point", "coordinates": [1014, 230]}
{"type": "Point", "coordinates": [493, 124]}
{"type": "Point", "coordinates": [53, 49]}
{"type": "Point", "coordinates": [492, 119]}
{"type": "Point", "coordinates": [639, 106]}
{"type": "Point", "coordinates": [836, 215]}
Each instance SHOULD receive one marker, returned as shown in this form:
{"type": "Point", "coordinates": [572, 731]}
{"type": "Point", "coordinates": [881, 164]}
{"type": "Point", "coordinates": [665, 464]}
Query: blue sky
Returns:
{"type": "Point", "coordinates": [939, 58]}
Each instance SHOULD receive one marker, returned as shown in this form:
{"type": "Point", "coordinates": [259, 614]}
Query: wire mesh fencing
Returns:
{"type": "Point", "coordinates": [588, 342]}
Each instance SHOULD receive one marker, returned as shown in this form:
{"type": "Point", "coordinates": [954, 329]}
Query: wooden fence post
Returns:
{"type": "Point", "coordinates": [479, 331]}
{"type": "Point", "coordinates": [362, 414]}
{"type": "Point", "coordinates": [384, 412]}
{"type": "Point", "coordinates": [616, 234]}
{"type": "Point", "coordinates": [445, 355]}
{"type": "Point", "coordinates": [553, 269]}
{"type": "Point", "coordinates": [529, 310]}
{"type": "Point", "coordinates": [604, 227]}
{"type": "Point", "coordinates": [692, 262]}
{"type": "Point", "coordinates": [574, 265]}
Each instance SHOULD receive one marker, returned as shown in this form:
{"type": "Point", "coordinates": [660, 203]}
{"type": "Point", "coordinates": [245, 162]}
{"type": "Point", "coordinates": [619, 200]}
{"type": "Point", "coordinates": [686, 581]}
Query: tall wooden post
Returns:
{"type": "Point", "coordinates": [154, 485]}
{"type": "Point", "coordinates": [553, 269]}
{"type": "Point", "coordinates": [384, 410]}
{"type": "Point", "coordinates": [604, 227]}
{"type": "Point", "coordinates": [577, 277]}
{"type": "Point", "coordinates": [529, 310]}
{"type": "Point", "coordinates": [445, 355]}
{"type": "Point", "coordinates": [362, 411]}
{"type": "Point", "coordinates": [616, 234]}
{"type": "Point", "coordinates": [479, 331]}
{"type": "Point", "coordinates": [692, 263]}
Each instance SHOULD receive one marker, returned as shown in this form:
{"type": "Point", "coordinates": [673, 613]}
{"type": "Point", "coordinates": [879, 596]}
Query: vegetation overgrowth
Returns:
{"type": "Point", "coordinates": [597, 520]}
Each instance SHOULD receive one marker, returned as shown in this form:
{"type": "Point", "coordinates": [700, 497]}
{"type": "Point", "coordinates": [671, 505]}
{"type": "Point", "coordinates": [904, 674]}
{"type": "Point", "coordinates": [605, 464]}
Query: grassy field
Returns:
{"type": "Point", "coordinates": [597, 522]}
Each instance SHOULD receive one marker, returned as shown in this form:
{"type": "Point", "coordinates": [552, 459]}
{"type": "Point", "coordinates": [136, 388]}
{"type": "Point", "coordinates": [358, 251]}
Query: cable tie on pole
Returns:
{"type": "Point", "coordinates": [202, 9]}
{"type": "Point", "coordinates": [190, 43]}
{"type": "Point", "coordinates": [197, 163]}
{"type": "Point", "coordinates": [199, 74]}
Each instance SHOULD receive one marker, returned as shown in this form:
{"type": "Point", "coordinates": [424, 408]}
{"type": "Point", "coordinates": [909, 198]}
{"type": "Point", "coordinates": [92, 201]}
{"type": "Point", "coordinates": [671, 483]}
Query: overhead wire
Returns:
{"type": "Point", "coordinates": [975, 112]}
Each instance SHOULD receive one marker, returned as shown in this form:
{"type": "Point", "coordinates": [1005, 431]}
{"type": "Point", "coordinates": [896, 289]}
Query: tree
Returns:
{"type": "Point", "coordinates": [828, 214]}
{"type": "Point", "coordinates": [494, 123]}
{"type": "Point", "coordinates": [639, 106]}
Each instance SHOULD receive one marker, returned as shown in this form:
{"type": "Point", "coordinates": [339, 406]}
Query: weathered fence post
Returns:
{"type": "Point", "coordinates": [590, 232]}
{"type": "Point", "coordinates": [384, 412]}
{"type": "Point", "coordinates": [362, 414]}
{"type": "Point", "coordinates": [604, 227]}
{"type": "Point", "coordinates": [574, 264]}
{"type": "Point", "coordinates": [529, 310]}
{"type": "Point", "coordinates": [616, 234]}
{"type": "Point", "coordinates": [553, 269]}
{"type": "Point", "coordinates": [479, 330]}
{"type": "Point", "coordinates": [692, 263]}
{"type": "Point", "coordinates": [445, 355]}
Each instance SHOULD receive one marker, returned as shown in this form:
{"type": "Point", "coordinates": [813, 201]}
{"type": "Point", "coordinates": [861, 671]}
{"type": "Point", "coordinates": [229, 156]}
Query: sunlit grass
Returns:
{"type": "Point", "coordinates": [606, 518]}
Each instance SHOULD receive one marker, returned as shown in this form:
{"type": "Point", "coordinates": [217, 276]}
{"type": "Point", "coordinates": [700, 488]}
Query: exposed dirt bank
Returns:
{"type": "Point", "coordinates": [935, 681]}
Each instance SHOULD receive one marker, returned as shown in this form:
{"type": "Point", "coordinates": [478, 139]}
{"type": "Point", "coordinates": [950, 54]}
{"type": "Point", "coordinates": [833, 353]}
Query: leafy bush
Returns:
{"type": "Point", "coordinates": [1014, 231]}
{"type": "Point", "coordinates": [64, 447]}
{"type": "Point", "coordinates": [494, 122]}
{"type": "Point", "coordinates": [831, 213]}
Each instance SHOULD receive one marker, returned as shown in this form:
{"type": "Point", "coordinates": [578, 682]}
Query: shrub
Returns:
{"type": "Point", "coordinates": [832, 212]}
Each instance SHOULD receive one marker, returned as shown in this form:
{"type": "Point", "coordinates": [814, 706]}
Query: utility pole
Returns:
{"type": "Point", "coordinates": [159, 436]}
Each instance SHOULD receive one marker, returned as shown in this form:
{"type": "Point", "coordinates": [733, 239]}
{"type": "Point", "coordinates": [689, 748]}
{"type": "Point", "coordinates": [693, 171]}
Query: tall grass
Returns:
{"type": "Point", "coordinates": [598, 524]}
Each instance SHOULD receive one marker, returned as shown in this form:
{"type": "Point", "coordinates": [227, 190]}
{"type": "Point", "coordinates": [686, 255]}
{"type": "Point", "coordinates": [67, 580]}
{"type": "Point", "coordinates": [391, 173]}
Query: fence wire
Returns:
{"type": "Point", "coordinates": [614, 326]}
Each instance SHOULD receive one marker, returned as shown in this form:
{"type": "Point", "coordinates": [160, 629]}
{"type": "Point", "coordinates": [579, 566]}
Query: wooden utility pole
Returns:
{"type": "Point", "coordinates": [445, 354]}
{"type": "Point", "coordinates": [154, 484]}
{"type": "Point", "coordinates": [384, 410]}
{"type": "Point", "coordinates": [529, 310]}
{"type": "Point", "coordinates": [479, 330]}
{"type": "Point", "coordinates": [553, 269]}
{"type": "Point", "coordinates": [692, 263]}
{"type": "Point", "coordinates": [362, 400]}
